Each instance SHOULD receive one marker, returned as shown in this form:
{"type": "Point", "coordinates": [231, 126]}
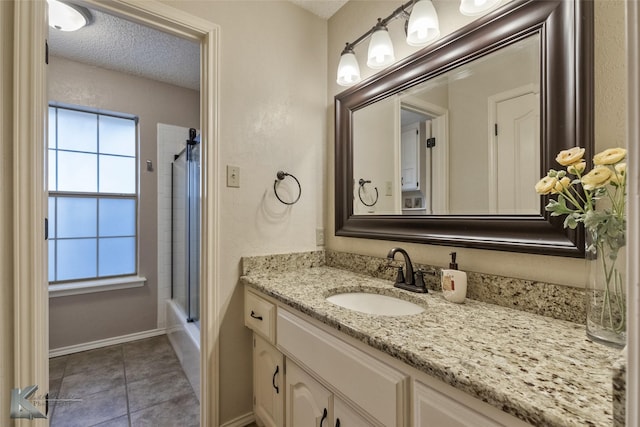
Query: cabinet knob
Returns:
{"type": "Point", "coordinates": [337, 422]}
{"type": "Point", "coordinates": [255, 316]}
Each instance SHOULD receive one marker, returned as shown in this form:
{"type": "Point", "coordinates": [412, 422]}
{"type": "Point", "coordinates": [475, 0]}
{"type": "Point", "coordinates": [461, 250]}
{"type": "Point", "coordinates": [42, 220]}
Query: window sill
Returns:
{"type": "Point", "coordinates": [91, 286]}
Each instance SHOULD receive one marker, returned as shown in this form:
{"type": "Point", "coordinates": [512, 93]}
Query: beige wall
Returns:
{"type": "Point", "coordinates": [6, 216]}
{"type": "Point", "coordinates": [83, 318]}
{"type": "Point", "coordinates": [356, 17]}
{"type": "Point", "coordinates": [272, 117]}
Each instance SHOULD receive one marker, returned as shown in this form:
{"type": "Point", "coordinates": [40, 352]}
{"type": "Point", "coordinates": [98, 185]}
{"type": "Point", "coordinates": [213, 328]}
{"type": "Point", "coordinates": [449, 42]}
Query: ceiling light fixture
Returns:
{"type": "Point", "coordinates": [65, 16]}
{"type": "Point", "coordinates": [477, 7]}
{"type": "Point", "coordinates": [421, 26]}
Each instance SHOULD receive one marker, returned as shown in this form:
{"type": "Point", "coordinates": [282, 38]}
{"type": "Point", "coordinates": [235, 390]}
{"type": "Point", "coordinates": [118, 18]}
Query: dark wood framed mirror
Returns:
{"type": "Point", "coordinates": [565, 33]}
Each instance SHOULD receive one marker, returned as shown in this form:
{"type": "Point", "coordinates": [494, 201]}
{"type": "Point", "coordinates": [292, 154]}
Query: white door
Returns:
{"type": "Point", "coordinates": [308, 404]}
{"type": "Point", "coordinates": [268, 387]}
{"type": "Point", "coordinates": [516, 151]}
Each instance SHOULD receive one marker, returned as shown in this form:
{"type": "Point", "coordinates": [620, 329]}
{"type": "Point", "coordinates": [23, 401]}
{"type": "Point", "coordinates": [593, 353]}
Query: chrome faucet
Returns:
{"type": "Point", "coordinates": [407, 281]}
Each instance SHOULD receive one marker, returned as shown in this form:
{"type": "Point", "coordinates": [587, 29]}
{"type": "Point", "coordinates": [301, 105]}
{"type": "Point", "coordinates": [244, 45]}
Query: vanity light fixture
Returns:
{"type": "Point", "coordinates": [477, 7]}
{"type": "Point", "coordinates": [421, 25]}
{"type": "Point", "coordinates": [65, 16]}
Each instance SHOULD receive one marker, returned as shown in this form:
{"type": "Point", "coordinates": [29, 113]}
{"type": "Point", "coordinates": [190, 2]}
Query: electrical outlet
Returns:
{"type": "Point", "coordinates": [319, 237]}
{"type": "Point", "coordinates": [233, 176]}
{"type": "Point", "coordinates": [388, 189]}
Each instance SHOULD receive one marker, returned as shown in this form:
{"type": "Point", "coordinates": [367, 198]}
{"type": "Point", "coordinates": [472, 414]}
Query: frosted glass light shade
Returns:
{"type": "Point", "coordinates": [65, 17]}
{"type": "Point", "coordinates": [380, 54]}
{"type": "Point", "coordinates": [423, 26]}
{"type": "Point", "coordinates": [348, 69]}
{"type": "Point", "coordinates": [476, 7]}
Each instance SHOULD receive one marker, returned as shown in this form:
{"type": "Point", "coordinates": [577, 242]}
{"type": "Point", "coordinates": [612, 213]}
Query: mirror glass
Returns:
{"type": "Point", "coordinates": [464, 142]}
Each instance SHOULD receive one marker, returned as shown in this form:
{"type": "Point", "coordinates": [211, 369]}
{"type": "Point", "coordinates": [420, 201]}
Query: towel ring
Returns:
{"type": "Point", "coordinates": [282, 175]}
{"type": "Point", "coordinates": [362, 182]}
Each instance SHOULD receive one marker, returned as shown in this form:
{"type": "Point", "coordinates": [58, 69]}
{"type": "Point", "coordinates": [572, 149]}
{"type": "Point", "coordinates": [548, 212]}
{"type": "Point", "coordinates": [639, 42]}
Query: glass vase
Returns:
{"type": "Point", "coordinates": [606, 291]}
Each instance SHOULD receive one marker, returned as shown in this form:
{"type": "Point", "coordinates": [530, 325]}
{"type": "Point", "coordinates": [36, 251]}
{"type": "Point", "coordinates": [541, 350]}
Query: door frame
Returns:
{"type": "Point", "coordinates": [29, 210]}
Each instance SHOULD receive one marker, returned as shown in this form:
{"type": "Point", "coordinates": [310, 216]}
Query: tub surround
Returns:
{"type": "Point", "coordinates": [539, 369]}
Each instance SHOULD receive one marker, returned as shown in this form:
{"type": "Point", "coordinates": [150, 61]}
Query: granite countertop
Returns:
{"type": "Point", "coordinates": [539, 369]}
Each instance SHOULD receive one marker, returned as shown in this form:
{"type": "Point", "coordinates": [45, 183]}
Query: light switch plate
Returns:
{"type": "Point", "coordinates": [319, 237]}
{"type": "Point", "coordinates": [233, 176]}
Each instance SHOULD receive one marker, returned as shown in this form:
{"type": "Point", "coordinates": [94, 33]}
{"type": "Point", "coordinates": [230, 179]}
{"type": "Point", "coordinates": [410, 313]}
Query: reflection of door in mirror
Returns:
{"type": "Point", "coordinates": [424, 147]}
{"type": "Point", "coordinates": [514, 141]}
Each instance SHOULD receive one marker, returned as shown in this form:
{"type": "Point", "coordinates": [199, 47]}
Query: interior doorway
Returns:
{"type": "Point", "coordinates": [32, 354]}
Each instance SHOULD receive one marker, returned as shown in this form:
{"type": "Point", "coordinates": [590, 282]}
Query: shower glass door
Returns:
{"type": "Point", "coordinates": [185, 220]}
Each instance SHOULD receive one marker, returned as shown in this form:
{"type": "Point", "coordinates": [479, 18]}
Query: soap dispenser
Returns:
{"type": "Point", "coordinates": [454, 282]}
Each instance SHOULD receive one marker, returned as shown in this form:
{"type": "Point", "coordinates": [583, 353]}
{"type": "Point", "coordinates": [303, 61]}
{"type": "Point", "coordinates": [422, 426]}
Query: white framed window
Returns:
{"type": "Point", "coordinates": [93, 195]}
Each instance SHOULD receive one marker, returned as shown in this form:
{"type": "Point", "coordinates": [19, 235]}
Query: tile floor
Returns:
{"type": "Point", "coordinates": [134, 384]}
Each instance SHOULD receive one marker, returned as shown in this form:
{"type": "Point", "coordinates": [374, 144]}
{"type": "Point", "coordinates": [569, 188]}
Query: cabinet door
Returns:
{"type": "Point", "coordinates": [434, 409]}
{"type": "Point", "coordinates": [308, 402]}
{"type": "Point", "coordinates": [268, 390]}
{"type": "Point", "coordinates": [346, 416]}
{"type": "Point", "coordinates": [410, 158]}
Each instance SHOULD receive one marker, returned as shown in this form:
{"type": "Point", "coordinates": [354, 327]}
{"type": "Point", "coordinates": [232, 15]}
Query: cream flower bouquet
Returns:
{"type": "Point", "coordinates": [598, 200]}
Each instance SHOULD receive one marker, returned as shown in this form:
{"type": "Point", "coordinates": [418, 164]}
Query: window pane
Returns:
{"type": "Point", "coordinates": [77, 217]}
{"type": "Point", "coordinates": [52, 127]}
{"type": "Point", "coordinates": [117, 175]}
{"type": "Point", "coordinates": [52, 260]}
{"type": "Point", "coordinates": [117, 256]}
{"type": "Point", "coordinates": [117, 217]}
{"type": "Point", "coordinates": [77, 130]}
{"type": "Point", "coordinates": [76, 259]}
{"type": "Point", "coordinates": [52, 217]}
{"type": "Point", "coordinates": [77, 172]}
{"type": "Point", "coordinates": [51, 184]}
{"type": "Point", "coordinates": [117, 136]}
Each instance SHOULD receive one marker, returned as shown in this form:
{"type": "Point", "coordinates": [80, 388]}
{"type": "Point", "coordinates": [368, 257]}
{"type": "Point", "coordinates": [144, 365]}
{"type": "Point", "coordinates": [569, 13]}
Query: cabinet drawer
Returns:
{"type": "Point", "coordinates": [260, 315]}
{"type": "Point", "coordinates": [370, 384]}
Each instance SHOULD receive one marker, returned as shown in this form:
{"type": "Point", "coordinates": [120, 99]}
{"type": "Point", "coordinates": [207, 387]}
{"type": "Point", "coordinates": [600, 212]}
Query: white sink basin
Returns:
{"type": "Point", "coordinates": [384, 305]}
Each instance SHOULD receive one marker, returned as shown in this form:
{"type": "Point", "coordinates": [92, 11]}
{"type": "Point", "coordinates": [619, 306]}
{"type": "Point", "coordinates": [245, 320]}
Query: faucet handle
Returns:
{"type": "Point", "coordinates": [400, 275]}
{"type": "Point", "coordinates": [420, 280]}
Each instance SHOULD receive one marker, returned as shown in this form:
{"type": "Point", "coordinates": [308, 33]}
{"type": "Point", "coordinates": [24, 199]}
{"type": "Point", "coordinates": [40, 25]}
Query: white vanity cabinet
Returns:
{"type": "Point", "coordinates": [306, 374]}
{"type": "Point", "coordinates": [268, 383]}
{"type": "Point", "coordinates": [373, 389]}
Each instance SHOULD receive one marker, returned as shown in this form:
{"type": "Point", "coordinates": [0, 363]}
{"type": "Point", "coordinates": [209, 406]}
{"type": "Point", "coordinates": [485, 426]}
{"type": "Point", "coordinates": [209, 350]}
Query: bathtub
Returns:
{"type": "Point", "coordinates": [185, 340]}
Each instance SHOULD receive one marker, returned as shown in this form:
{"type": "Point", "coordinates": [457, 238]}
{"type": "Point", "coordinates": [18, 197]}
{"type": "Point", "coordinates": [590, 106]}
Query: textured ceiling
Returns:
{"type": "Point", "coordinates": [323, 8]}
{"type": "Point", "coordinates": [117, 44]}
{"type": "Point", "coordinates": [120, 45]}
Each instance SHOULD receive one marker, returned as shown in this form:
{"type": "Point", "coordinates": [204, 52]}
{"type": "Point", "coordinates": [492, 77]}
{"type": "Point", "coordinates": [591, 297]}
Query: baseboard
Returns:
{"type": "Point", "coordinates": [76, 348]}
{"type": "Point", "coordinates": [241, 421]}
